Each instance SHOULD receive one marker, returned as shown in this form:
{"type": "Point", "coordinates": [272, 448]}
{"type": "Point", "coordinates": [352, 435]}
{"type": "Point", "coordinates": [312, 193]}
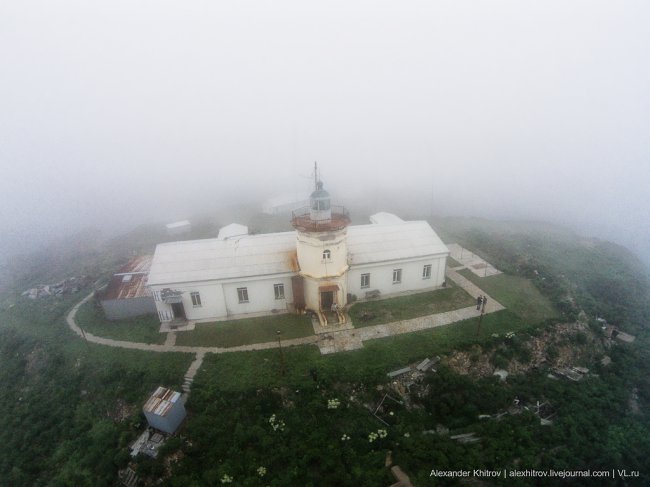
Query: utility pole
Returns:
{"type": "Point", "coordinates": [282, 367]}
{"type": "Point", "coordinates": [480, 319]}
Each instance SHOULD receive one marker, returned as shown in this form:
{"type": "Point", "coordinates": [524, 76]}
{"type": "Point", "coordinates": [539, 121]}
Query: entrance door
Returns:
{"type": "Point", "coordinates": [179, 310]}
{"type": "Point", "coordinates": [326, 300]}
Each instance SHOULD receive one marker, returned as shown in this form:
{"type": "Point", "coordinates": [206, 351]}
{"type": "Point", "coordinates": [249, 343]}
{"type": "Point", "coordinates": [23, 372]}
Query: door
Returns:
{"type": "Point", "coordinates": [326, 300]}
{"type": "Point", "coordinates": [179, 310]}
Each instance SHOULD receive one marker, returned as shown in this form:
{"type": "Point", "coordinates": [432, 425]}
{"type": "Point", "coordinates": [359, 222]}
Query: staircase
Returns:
{"type": "Point", "coordinates": [191, 372]}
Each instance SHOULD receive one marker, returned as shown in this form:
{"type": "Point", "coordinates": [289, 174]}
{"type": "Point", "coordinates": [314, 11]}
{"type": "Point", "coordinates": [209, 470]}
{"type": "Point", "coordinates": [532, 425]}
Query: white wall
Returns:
{"type": "Point", "coordinates": [381, 276]}
{"type": "Point", "coordinates": [310, 247]}
{"type": "Point", "coordinates": [261, 295]}
{"type": "Point", "coordinates": [220, 299]}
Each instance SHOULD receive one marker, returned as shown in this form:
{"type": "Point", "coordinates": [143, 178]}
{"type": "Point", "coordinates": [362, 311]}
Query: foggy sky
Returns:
{"type": "Point", "coordinates": [113, 112]}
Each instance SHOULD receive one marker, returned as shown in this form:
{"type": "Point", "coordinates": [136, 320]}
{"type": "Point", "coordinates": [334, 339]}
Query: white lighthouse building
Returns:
{"type": "Point", "coordinates": [319, 267]}
{"type": "Point", "coordinates": [322, 251]}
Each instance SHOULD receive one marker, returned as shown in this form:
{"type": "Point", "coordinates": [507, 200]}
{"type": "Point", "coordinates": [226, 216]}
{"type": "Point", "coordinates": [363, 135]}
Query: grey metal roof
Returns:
{"type": "Point", "coordinates": [213, 259]}
{"type": "Point", "coordinates": [275, 253]}
{"type": "Point", "coordinates": [383, 242]}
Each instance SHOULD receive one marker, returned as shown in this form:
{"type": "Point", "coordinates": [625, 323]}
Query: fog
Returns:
{"type": "Point", "coordinates": [114, 113]}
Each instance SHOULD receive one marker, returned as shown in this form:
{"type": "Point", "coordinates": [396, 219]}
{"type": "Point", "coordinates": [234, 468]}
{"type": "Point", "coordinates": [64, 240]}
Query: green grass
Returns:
{"type": "Point", "coordinates": [261, 369]}
{"type": "Point", "coordinates": [142, 329]}
{"type": "Point", "coordinates": [516, 293]}
{"type": "Point", "coordinates": [246, 331]}
{"type": "Point", "coordinates": [411, 306]}
{"type": "Point", "coordinates": [451, 262]}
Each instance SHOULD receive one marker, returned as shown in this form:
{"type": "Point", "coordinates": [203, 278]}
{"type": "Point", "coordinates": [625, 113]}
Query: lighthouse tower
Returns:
{"type": "Point", "coordinates": [322, 255]}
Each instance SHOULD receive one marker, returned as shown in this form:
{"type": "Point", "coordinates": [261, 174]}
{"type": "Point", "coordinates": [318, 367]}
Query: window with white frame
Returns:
{"type": "Point", "coordinates": [397, 276]}
{"type": "Point", "coordinates": [242, 294]}
{"type": "Point", "coordinates": [365, 280]}
{"type": "Point", "coordinates": [426, 272]}
{"type": "Point", "coordinates": [279, 291]}
{"type": "Point", "coordinates": [196, 299]}
{"type": "Point", "coordinates": [327, 255]}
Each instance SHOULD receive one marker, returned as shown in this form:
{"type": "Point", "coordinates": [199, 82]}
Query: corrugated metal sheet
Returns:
{"type": "Point", "coordinates": [268, 254]}
{"type": "Point", "coordinates": [130, 281]}
{"type": "Point", "coordinates": [161, 401]}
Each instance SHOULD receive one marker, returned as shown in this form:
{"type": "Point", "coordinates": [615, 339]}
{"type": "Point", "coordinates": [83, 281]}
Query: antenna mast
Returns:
{"type": "Point", "coordinates": [315, 175]}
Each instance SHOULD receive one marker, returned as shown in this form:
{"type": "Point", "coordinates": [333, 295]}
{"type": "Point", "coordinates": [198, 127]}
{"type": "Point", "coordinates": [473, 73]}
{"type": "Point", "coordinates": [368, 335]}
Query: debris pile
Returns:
{"type": "Point", "coordinates": [572, 373]}
{"type": "Point", "coordinates": [66, 286]}
{"type": "Point", "coordinates": [409, 375]}
{"type": "Point", "coordinates": [543, 410]}
{"type": "Point", "coordinates": [148, 443]}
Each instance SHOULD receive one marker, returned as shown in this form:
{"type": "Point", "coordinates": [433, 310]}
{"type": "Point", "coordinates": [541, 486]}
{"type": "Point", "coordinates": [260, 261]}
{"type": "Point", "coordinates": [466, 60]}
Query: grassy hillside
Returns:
{"type": "Point", "coordinates": [70, 409]}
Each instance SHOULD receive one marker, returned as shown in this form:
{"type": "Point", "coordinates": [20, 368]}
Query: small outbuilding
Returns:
{"type": "Point", "coordinates": [164, 410]}
{"type": "Point", "coordinates": [284, 203]}
{"type": "Point", "coordinates": [232, 231]}
{"type": "Point", "coordinates": [179, 228]}
{"type": "Point", "coordinates": [127, 294]}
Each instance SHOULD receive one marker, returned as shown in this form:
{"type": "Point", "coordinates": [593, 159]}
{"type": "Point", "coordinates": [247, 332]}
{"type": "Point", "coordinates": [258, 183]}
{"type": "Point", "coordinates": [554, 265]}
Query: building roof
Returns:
{"type": "Point", "coordinates": [182, 223]}
{"type": "Point", "coordinates": [383, 218]}
{"type": "Point", "coordinates": [294, 200]}
{"type": "Point", "coordinates": [161, 401]}
{"type": "Point", "coordinates": [384, 242]}
{"type": "Point", "coordinates": [129, 281]}
{"type": "Point", "coordinates": [232, 230]}
{"type": "Point", "coordinates": [214, 259]}
{"type": "Point", "coordinates": [275, 253]}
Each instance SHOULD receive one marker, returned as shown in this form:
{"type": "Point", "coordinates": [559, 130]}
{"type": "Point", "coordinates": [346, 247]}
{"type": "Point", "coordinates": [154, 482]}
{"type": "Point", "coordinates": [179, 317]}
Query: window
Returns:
{"type": "Point", "coordinates": [242, 293]}
{"type": "Point", "coordinates": [279, 291]}
{"type": "Point", "coordinates": [365, 280]}
{"type": "Point", "coordinates": [397, 276]}
{"type": "Point", "coordinates": [327, 255]}
{"type": "Point", "coordinates": [196, 299]}
{"type": "Point", "coordinates": [426, 272]}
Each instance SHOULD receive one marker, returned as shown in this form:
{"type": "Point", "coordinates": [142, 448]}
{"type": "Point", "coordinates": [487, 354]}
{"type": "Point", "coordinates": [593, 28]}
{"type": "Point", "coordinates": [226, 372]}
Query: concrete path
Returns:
{"type": "Point", "coordinates": [191, 372]}
{"type": "Point", "coordinates": [351, 339]}
{"type": "Point", "coordinates": [171, 338]}
{"type": "Point", "coordinates": [336, 341]}
{"type": "Point", "coordinates": [147, 347]}
{"type": "Point", "coordinates": [471, 261]}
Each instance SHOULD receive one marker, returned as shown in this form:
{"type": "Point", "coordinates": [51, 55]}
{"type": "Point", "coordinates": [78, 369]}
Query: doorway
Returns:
{"type": "Point", "coordinates": [178, 310]}
{"type": "Point", "coordinates": [326, 300]}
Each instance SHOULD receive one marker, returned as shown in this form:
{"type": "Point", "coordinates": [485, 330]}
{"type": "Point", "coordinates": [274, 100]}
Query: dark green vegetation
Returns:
{"type": "Point", "coordinates": [70, 409]}
{"type": "Point", "coordinates": [246, 331]}
{"type": "Point", "coordinates": [410, 306]}
{"type": "Point", "coordinates": [144, 329]}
